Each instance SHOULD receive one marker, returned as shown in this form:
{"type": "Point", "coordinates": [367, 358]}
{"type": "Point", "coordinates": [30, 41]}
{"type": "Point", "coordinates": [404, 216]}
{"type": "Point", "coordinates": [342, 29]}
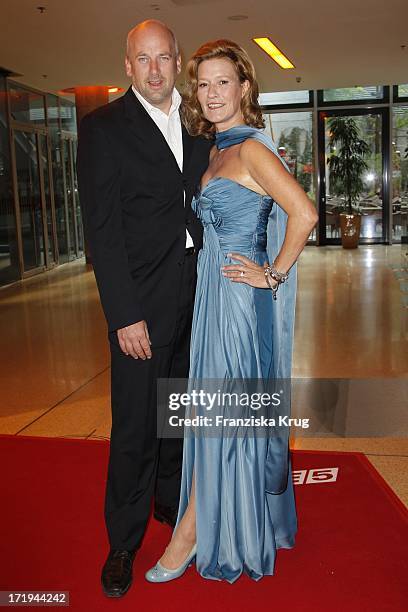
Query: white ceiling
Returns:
{"type": "Point", "coordinates": [331, 43]}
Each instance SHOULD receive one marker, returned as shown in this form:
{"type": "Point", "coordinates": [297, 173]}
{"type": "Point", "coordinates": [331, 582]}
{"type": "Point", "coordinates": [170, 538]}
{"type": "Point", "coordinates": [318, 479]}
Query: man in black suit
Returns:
{"type": "Point", "coordinates": [137, 170]}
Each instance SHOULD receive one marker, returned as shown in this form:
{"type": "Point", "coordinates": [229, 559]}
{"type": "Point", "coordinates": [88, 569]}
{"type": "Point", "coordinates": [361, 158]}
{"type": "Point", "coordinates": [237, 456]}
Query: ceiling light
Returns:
{"type": "Point", "coordinates": [110, 88]}
{"type": "Point", "coordinates": [272, 50]}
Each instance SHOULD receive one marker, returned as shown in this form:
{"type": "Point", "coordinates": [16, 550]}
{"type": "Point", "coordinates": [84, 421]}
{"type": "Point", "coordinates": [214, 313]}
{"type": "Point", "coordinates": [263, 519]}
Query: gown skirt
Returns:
{"type": "Point", "coordinates": [245, 507]}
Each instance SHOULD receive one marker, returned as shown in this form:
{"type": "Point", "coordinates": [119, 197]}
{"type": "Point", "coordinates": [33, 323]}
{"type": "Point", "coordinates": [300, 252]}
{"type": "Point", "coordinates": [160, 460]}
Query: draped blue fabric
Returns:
{"type": "Point", "coordinates": [245, 507]}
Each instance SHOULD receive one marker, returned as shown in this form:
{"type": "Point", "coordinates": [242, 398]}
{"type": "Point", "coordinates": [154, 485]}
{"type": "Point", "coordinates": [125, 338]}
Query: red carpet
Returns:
{"type": "Point", "coordinates": [350, 553]}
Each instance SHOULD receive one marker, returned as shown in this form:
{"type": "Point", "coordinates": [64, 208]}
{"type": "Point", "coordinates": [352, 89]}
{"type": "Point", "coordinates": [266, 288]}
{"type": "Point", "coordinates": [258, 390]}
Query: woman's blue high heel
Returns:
{"type": "Point", "coordinates": [158, 573]}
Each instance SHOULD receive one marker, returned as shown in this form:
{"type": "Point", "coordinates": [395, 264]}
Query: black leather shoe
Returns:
{"type": "Point", "coordinates": [164, 514]}
{"type": "Point", "coordinates": [117, 572]}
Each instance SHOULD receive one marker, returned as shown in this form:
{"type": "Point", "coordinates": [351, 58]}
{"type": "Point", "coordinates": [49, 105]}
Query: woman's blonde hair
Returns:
{"type": "Point", "coordinates": [193, 118]}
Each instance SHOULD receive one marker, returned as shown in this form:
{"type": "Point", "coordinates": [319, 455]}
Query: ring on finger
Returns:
{"type": "Point", "coordinates": [242, 273]}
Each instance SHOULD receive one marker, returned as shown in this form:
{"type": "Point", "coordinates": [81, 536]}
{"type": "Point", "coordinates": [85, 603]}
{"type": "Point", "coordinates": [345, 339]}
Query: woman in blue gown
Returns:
{"type": "Point", "coordinates": [236, 502]}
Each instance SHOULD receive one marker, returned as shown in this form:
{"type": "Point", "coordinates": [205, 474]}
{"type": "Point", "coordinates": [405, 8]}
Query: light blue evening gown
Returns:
{"type": "Point", "coordinates": [245, 508]}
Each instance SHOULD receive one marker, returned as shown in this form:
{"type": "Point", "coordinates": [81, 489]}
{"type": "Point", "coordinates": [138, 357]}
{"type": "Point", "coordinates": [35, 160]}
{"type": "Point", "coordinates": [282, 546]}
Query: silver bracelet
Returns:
{"type": "Point", "coordinates": [280, 277]}
{"type": "Point", "coordinates": [273, 288]}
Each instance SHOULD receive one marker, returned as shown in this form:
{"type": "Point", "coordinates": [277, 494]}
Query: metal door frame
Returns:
{"type": "Point", "coordinates": [68, 140]}
{"type": "Point", "coordinates": [384, 113]}
{"type": "Point", "coordinates": [23, 127]}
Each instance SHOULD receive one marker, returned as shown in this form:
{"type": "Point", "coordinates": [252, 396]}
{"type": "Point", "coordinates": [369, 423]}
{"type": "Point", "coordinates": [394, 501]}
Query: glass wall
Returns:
{"type": "Point", "coordinates": [9, 261]}
{"type": "Point", "coordinates": [353, 93]}
{"type": "Point", "coordinates": [26, 105]}
{"type": "Point", "coordinates": [402, 91]}
{"type": "Point", "coordinates": [54, 132]}
{"type": "Point", "coordinates": [280, 98]}
{"type": "Point", "coordinates": [400, 172]}
{"type": "Point", "coordinates": [40, 216]}
{"type": "Point", "coordinates": [299, 123]}
{"type": "Point", "coordinates": [31, 221]}
{"type": "Point", "coordinates": [49, 220]}
{"type": "Point", "coordinates": [67, 116]}
{"type": "Point", "coordinates": [68, 162]}
{"type": "Point", "coordinates": [370, 198]}
{"type": "Point", "coordinates": [292, 134]}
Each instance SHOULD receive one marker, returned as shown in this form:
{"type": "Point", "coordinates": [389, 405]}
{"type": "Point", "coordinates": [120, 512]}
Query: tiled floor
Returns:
{"type": "Point", "coordinates": [351, 323]}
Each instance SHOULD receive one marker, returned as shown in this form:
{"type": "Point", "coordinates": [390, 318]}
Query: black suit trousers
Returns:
{"type": "Point", "coordinates": [141, 466]}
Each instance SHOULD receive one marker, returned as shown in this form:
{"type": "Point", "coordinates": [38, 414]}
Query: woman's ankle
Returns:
{"type": "Point", "coordinates": [187, 534]}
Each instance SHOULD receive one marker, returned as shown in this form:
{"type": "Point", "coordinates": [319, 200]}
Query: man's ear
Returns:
{"type": "Point", "coordinates": [128, 67]}
{"type": "Point", "coordinates": [178, 63]}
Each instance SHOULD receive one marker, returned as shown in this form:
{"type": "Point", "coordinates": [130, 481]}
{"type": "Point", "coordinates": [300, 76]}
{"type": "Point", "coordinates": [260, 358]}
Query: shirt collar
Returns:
{"type": "Point", "coordinates": [175, 103]}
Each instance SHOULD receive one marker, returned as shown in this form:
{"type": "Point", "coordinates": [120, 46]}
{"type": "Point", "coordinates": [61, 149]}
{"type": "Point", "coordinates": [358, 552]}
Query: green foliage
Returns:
{"type": "Point", "coordinates": [305, 178]}
{"type": "Point", "coordinates": [299, 153]}
{"type": "Point", "coordinates": [283, 140]}
{"type": "Point", "coordinates": [347, 164]}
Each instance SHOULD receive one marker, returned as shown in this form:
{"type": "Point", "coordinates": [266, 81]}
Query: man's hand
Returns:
{"type": "Point", "coordinates": [134, 340]}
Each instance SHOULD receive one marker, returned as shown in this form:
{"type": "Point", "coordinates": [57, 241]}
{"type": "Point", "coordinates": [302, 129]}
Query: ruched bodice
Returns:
{"type": "Point", "coordinates": [245, 506]}
{"type": "Point", "coordinates": [238, 215]}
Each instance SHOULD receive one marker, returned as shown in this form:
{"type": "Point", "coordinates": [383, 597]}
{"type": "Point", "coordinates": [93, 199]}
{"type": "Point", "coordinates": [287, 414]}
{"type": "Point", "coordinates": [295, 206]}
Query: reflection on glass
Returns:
{"type": "Point", "coordinates": [373, 92]}
{"type": "Point", "coordinates": [292, 134]}
{"type": "Point", "coordinates": [9, 264]}
{"type": "Point", "coordinates": [78, 213]}
{"type": "Point", "coordinates": [58, 178]}
{"type": "Point", "coordinates": [284, 97]}
{"type": "Point", "coordinates": [403, 91]}
{"type": "Point", "coordinates": [68, 115]}
{"type": "Point", "coordinates": [29, 196]}
{"type": "Point", "coordinates": [47, 196]}
{"type": "Point", "coordinates": [370, 203]}
{"type": "Point", "coordinates": [26, 106]}
{"type": "Point", "coordinates": [70, 198]}
{"type": "Point", "coordinates": [400, 173]}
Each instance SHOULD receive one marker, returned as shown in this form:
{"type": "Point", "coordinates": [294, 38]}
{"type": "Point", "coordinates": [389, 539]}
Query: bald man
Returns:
{"type": "Point", "coordinates": [138, 169]}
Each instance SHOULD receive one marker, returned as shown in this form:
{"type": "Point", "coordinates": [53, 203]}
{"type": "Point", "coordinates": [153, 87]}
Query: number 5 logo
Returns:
{"type": "Point", "coordinates": [314, 476]}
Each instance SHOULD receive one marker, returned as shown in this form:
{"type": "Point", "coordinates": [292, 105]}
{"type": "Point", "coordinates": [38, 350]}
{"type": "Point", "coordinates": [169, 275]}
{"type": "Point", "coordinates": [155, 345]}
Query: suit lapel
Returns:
{"type": "Point", "coordinates": [143, 125]}
{"type": "Point", "coordinates": [139, 118]}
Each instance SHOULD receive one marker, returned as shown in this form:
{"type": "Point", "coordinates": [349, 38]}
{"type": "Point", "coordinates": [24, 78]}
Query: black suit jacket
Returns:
{"type": "Point", "coordinates": [131, 191]}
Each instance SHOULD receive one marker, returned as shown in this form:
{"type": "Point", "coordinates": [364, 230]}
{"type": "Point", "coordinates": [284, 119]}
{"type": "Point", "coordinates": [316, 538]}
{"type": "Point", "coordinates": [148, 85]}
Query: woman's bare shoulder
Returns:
{"type": "Point", "coordinates": [253, 152]}
{"type": "Point", "coordinates": [251, 146]}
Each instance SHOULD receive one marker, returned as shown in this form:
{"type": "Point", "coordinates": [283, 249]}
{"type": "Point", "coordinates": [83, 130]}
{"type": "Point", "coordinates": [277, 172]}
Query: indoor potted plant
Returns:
{"type": "Point", "coordinates": [347, 166]}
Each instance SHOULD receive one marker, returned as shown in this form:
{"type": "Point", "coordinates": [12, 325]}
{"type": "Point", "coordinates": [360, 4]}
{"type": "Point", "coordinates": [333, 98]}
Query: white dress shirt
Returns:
{"type": "Point", "coordinates": [170, 127]}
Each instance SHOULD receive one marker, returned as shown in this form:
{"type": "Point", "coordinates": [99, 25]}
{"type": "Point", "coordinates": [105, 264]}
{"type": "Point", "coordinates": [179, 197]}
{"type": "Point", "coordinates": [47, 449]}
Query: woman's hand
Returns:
{"type": "Point", "coordinates": [247, 272]}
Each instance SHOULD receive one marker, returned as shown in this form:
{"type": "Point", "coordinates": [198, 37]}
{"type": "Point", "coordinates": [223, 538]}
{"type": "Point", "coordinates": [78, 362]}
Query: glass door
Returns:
{"type": "Point", "coordinates": [46, 185]}
{"type": "Point", "coordinates": [33, 191]}
{"type": "Point", "coordinates": [371, 126]}
{"type": "Point", "coordinates": [75, 239]}
{"type": "Point", "coordinates": [29, 198]}
{"type": "Point", "coordinates": [77, 206]}
{"type": "Point", "coordinates": [399, 223]}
